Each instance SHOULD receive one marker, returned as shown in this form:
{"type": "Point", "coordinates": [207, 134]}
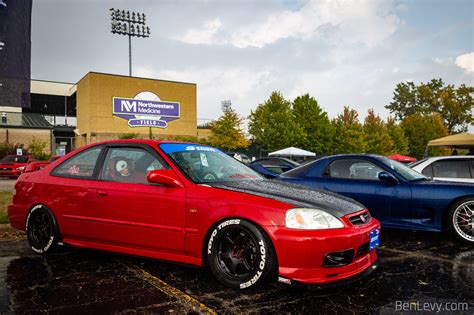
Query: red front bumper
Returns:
{"type": "Point", "coordinates": [301, 253]}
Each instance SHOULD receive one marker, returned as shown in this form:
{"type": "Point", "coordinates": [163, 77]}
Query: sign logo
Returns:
{"type": "Point", "coordinates": [128, 106]}
{"type": "Point", "coordinates": [146, 110]}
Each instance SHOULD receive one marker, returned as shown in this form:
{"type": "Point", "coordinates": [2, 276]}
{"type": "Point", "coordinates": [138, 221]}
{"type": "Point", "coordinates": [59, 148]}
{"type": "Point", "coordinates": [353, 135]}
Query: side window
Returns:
{"type": "Point", "coordinates": [428, 171]}
{"type": "Point", "coordinates": [452, 169]}
{"type": "Point", "coordinates": [80, 165]}
{"type": "Point", "coordinates": [129, 165]}
{"type": "Point", "coordinates": [354, 169]}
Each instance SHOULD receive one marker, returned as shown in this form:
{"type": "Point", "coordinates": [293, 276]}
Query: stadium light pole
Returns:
{"type": "Point", "coordinates": [131, 24]}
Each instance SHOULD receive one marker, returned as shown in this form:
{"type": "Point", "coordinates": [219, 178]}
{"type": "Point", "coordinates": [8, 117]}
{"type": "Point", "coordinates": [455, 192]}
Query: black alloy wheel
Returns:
{"type": "Point", "coordinates": [41, 230]}
{"type": "Point", "coordinates": [237, 253]}
{"type": "Point", "coordinates": [240, 255]}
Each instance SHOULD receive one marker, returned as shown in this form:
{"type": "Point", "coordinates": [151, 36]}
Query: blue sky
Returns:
{"type": "Point", "coordinates": [341, 52]}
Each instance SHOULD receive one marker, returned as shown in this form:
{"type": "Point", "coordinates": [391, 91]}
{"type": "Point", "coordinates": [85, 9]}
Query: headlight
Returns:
{"type": "Point", "coordinates": [311, 219]}
{"type": "Point", "coordinates": [21, 168]}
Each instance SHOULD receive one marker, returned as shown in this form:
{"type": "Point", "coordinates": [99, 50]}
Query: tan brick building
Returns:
{"type": "Point", "coordinates": [101, 107]}
{"type": "Point", "coordinates": [95, 106]}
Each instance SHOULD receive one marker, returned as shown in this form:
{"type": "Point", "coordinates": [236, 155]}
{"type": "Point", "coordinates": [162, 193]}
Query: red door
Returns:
{"type": "Point", "coordinates": [128, 211]}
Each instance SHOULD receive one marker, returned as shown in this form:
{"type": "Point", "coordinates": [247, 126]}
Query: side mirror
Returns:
{"type": "Point", "coordinates": [164, 177]}
{"type": "Point", "coordinates": [387, 177]}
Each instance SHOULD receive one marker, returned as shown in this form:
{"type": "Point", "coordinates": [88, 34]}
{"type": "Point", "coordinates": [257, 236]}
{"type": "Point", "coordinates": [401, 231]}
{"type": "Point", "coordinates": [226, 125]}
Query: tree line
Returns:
{"type": "Point", "coordinates": [420, 113]}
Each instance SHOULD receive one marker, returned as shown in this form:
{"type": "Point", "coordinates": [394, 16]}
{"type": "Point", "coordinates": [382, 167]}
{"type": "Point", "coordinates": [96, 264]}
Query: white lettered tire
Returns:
{"type": "Point", "coordinates": [41, 230]}
{"type": "Point", "coordinates": [240, 254]}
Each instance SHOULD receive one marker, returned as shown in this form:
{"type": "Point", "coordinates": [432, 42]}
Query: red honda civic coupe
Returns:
{"type": "Point", "coordinates": [194, 204]}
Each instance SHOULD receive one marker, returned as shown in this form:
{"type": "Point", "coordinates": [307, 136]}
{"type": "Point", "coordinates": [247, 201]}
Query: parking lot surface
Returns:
{"type": "Point", "coordinates": [7, 184]}
{"type": "Point", "coordinates": [415, 268]}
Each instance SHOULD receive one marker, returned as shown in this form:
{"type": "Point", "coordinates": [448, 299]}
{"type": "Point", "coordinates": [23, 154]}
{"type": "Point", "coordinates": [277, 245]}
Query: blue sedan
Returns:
{"type": "Point", "coordinates": [396, 195]}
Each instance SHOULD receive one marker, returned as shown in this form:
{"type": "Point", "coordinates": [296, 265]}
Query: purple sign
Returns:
{"type": "Point", "coordinates": [146, 113]}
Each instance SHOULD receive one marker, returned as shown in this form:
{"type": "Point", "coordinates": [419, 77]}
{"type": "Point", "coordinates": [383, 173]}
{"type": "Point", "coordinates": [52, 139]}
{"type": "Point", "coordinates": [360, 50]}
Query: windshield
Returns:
{"type": "Point", "coordinates": [204, 164]}
{"type": "Point", "coordinates": [15, 159]}
{"type": "Point", "coordinates": [403, 170]}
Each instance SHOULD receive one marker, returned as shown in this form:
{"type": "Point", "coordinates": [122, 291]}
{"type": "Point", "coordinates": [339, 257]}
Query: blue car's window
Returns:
{"type": "Point", "coordinates": [354, 169]}
{"type": "Point", "coordinates": [204, 164]}
{"type": "Point", "coordinates": [402, 170]}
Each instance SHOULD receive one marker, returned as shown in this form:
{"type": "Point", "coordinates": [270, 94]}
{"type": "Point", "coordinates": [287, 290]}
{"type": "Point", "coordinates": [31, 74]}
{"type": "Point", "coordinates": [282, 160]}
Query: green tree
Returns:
{"type": "Point", "coordinates": [227, 133]}
{"type": "Point", "coordinates": [420, 129]}
{"type": "Point", "coordinates": [314, 121]}
{"type": "Point", "coordinates": [399, 141]}
{"type": "Point", "coordinates": [272, 124]}
{"type": "Point", "coordinates": [38, 149]}
{"type": "Point", "coordinates": [376, 135]}
{"type": "Point", "coordinates": [453, 104]}
{"type": "Point", "coordinates": [349, 133]}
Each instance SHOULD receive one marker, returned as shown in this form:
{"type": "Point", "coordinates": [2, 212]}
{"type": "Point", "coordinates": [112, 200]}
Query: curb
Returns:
{"type": "Point", "coordinates": [6, 228]}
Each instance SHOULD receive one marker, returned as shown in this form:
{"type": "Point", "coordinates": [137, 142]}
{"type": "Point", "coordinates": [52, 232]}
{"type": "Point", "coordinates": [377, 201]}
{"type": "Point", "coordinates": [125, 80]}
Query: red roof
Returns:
{"type": "Point", "coordinates": [402, 158]}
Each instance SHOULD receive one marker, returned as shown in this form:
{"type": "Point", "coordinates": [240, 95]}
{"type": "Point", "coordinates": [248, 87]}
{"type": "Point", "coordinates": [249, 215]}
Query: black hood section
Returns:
{"type": "Point", "coordinates": [296, 195]}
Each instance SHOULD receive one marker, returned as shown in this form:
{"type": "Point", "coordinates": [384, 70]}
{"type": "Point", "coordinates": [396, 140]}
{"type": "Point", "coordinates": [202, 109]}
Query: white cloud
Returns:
{"type": "Point", "coordinates": [204, 35]}
{"type": "Point", "coordinates": [363, 21]}
{"type": "Point", "coordinates": [466, 62]}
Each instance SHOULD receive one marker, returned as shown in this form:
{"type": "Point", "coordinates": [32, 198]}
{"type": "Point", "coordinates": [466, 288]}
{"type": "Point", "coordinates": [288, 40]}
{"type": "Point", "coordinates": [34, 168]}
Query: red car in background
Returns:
{"type": "Point", "coordinates": [13, 165]}
{"type": "Point", "coordinates": [38, 165]}
{"type": "Point", "coordinates": [194, 204]}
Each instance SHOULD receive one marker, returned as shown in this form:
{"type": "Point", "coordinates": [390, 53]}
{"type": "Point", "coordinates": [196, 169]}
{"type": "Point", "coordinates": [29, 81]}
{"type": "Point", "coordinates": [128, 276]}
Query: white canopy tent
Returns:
{"type": "Point", "coordinates": [292, 151]}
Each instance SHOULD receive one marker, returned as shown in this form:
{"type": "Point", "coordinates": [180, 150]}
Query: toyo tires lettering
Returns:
{"type": "Point", "coordinates": [261, 266]}
{"type": "Point", "coordinates": [219, 227]}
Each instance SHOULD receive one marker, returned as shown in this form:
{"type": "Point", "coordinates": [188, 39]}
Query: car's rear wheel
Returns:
{"type": "Point", "coordinates": [461, 220]}
{"type": "Point", "coordinates": [41, 230]}
{"type": "Point", "coordinates": [240, 255]}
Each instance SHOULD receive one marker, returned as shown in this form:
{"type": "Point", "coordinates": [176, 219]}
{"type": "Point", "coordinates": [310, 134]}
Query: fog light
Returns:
{"type": "Point", "coordinates": [339, 259]}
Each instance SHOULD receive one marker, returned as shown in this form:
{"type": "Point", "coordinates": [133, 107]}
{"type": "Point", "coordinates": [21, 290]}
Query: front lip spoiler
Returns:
{"type": "Point", "coordinates": [341, 282]}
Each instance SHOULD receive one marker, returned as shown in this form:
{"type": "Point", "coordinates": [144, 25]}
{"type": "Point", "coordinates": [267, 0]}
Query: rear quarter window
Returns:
{"type": "Point", "coordinates": [81, 165]}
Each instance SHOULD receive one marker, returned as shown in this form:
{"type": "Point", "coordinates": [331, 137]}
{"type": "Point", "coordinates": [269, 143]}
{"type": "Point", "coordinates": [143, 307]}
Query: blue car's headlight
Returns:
{"type": "Point", "coordinates": [311, 219]}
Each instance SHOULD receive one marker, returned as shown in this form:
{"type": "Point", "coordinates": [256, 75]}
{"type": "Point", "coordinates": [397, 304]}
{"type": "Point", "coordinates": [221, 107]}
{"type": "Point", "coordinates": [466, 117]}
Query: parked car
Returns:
{"type": "Point", "coordinates": [194, 204]}
{"type": "Point", "coordinates": [38, 165]}
{"type": "Point", "coordinates": [242, 157]}
{"type": "Point", "coordinates": [271, 167]}
{"type": "Point", "coordinates": [448, 168]}
{"type": "Point", "coordinates": [394, 193]}
{"type": "Point", "coordinates": [13, 165]}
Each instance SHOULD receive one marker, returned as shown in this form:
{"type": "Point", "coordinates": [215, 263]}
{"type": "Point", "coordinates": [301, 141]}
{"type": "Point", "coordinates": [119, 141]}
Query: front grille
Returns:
{"type": "Point", "coordinates": [360, 219]}
{"type": "Point", "coordinates": [363, 249]}
{"type": "Point", "coordinates": [339, 259]}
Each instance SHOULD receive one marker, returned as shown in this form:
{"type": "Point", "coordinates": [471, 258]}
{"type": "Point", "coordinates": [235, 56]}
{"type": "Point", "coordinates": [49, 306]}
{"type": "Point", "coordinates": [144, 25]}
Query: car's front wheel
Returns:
{"type": "Point", "coordinates": [240, 255]}
{"type": "Point", "coordinates": [461, 220]}
{"type": "Point", "coordinates": [41, 230]}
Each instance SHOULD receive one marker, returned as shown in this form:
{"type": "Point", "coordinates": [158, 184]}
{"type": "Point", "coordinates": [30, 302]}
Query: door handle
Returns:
{"type": "Point", "coordinates": [101, 194]}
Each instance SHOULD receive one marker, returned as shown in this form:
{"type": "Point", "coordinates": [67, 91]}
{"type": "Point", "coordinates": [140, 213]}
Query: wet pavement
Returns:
{"type": "Point", "coordinates": [415, 268]}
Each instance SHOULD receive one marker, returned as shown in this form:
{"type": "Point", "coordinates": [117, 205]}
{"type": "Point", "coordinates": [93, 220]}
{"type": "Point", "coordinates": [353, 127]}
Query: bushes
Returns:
{"type": "Point", "coordinates": [130, 135]}
{"type": "Point", "coordinates": [37, 149]}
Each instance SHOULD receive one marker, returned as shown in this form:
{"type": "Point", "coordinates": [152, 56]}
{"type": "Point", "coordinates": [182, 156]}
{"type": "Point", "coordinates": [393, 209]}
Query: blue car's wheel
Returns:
{"type": "Point", "coordinates": [461, 220]}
